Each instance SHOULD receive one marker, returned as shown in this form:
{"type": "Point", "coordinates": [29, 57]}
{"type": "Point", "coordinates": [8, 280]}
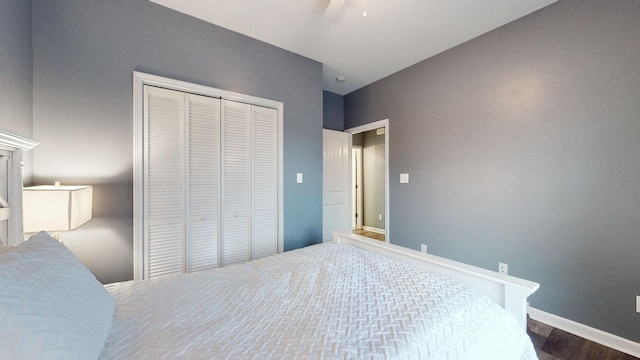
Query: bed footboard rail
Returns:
{"type": "Point", "coordinates": [510, 292]}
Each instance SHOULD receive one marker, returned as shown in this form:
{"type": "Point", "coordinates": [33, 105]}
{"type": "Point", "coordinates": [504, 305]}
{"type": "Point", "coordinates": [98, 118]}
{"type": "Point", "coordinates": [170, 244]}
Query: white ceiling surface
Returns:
{"type": "Point", "coordinates": [395, 34]}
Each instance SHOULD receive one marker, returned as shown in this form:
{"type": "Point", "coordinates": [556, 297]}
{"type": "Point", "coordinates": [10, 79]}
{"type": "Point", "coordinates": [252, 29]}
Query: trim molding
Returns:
{"type": "Point", "coordinates": [371, 126]}
{"type": "Point", "coordinates": [587, 332]}
{"type": "Point", "coordinates": [374, 229]}
{"type": "Point", "coordinates": [12, 141]}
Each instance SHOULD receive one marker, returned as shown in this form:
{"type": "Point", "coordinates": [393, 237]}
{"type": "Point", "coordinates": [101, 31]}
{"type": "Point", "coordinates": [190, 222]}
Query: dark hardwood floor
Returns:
{"type": "Point", "coordinates": [555, 344]}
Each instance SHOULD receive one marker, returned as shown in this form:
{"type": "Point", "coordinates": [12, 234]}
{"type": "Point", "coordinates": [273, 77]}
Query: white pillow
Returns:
{"type": "Point", "coordinates": [51, 306]}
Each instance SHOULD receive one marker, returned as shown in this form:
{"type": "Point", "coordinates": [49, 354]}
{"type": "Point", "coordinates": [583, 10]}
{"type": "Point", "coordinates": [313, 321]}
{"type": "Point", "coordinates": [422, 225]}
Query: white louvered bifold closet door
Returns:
{"type": "Point", "coordinates": [164, 173]}
{"type": "Point", "coordinates": [203, 200]}
{"type": "Point", "coordinates": [210, 182]}
{"type": "Point", "coordinates": [236, 185]}
{"type": "Point", "coordinates": [264, 182]}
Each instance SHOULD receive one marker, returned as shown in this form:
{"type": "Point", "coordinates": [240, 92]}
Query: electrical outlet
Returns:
{"type": "Point", "coordinates": [503, 268]}
{"type": "Point", "coordinates": [379, 216]}
{"type": "Point", "coordinates": [423, 248]}
{"type": "Point", "coordinates": [638, 304]}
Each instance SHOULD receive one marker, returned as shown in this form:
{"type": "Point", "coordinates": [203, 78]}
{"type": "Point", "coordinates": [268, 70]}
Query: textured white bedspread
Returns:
{"type": "Point", "coordinates": [322, 302]}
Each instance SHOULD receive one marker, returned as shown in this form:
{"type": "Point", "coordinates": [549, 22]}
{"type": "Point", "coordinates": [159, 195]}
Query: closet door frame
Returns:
{"type": "Point", "coordinates": [139, 80]}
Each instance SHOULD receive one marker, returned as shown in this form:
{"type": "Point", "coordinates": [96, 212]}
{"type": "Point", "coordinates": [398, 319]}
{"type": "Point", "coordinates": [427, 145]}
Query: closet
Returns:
{"type": "Point", "coordinates": [210, 182]}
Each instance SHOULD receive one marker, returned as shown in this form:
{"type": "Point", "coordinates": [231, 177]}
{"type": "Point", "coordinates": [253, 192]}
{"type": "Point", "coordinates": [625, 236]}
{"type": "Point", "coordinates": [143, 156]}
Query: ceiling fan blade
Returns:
{"type": "Point", "coordinates": [334, 8]}
{"type": "Point", "coordinates": [330, 9]}
{"type": "Point", "coordinates": [320, 6]}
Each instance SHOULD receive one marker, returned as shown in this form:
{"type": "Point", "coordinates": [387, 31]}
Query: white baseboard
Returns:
{"type": "Point", "coordinates": [609, 340]}
{"type": "Point", "coordinates": [375, 230]}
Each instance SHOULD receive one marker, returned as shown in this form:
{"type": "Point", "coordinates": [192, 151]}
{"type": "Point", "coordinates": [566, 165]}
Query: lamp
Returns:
{"type": "Point", "coordinates": [55, 207]}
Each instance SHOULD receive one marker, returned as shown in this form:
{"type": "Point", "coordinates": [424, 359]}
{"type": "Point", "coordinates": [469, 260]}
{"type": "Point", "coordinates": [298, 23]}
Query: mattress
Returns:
{"type": "Point", "coordinates": [326, 301]}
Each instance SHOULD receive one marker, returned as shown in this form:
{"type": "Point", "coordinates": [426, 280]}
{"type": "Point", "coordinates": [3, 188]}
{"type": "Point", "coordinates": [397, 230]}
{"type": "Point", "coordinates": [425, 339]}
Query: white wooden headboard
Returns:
{"type": "Point", "coordinates": [12, 148]}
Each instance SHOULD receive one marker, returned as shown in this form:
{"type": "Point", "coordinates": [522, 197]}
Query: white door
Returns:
{"type": "Point", "coordinates": [203, 161]}
{"type": "Point", "coordinates": [264, 189]}
{"type": "Point", "coordinates": [181, 181]}
{"type": "Point", "coordinates": [236, 182]}
{"type": "Point", "coordinates": [164, 179]}
{"type": "Point", "coordinates": [336, 175]}
{"type": "Point", "coordinates": [250, 181]}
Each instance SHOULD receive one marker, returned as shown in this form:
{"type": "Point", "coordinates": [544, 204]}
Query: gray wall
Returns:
{"type": "Point", "coordinates": [84, 54]}
{"type": "Point", "coordinates": [373, 179]}
{"type": "Point", "coordinates": [15, 70]}
{"type": "Point", "coordinates": [357, 139]}
{"type": "Point", "coordinates": [333, 111]}
{"type": "Point", "coordinates": [523, 146]}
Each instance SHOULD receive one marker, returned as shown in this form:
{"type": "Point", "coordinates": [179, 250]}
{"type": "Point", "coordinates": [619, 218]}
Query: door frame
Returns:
{"type": "Point", "coordinates": [356, 196]}
{"type": "Point", "coordinates": [372, 126]}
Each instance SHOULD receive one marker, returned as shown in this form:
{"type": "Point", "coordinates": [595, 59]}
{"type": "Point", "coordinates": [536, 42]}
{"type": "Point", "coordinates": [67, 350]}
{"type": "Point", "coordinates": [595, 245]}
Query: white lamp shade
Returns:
{"type": "Point", "coordinates": [56, 208]}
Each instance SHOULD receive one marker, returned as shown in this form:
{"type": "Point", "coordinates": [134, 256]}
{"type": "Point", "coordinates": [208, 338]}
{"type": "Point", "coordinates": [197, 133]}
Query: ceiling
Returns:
{"type": "Point", "coordinates": [394, 34]}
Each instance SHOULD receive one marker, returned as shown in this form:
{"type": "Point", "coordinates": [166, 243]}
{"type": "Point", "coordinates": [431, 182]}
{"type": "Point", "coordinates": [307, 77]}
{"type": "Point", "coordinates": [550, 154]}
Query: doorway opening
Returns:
{"type": "Point", "coordinates": [370, 180]}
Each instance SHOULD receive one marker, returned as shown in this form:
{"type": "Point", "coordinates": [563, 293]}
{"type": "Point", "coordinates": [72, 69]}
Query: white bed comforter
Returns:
{"type": "Point", "coordinates": [327, 301]}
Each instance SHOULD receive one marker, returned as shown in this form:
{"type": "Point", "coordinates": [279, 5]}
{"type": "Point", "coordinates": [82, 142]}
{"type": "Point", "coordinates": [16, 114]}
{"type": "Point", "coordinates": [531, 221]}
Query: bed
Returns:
{"type": "Point", "coordinates": [352, 298]}
{"type": "Point", "coordinates": [325, 301]}
{"type": "Point", "coordinates": [12, 149]}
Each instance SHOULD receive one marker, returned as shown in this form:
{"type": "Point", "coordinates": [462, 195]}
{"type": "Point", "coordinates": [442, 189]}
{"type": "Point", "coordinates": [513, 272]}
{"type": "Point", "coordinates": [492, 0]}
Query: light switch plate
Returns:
{"type": "Point", "coordinates": [404, 178]}
{"type": "Point", "coordinates": [299, 178]}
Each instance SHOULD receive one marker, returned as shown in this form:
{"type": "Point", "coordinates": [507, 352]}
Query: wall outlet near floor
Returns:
{"type": "Point", "coordinates": [503, 268]}
{"type": "Point", "coordinates": [423, 248]}
{"type": "Point", "coordinates": [380, 217]}
{"type": "Point", "coordinates": [638, 304]}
